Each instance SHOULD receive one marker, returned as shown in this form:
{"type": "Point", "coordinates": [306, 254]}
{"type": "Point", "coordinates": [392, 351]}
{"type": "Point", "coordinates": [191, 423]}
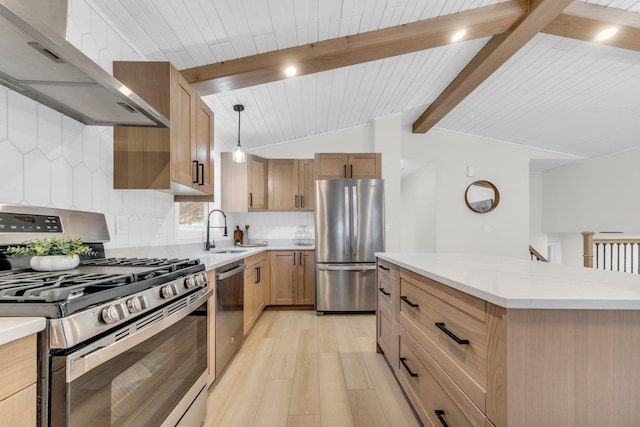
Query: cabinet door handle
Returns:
{"type": "Point", "coordinates": [406, 299]}
{"type": "Point", "coordinates": [383, 267]}
{"type": "Point", "coordinates": [403, 360]}
{"type": "Point", "coordinates": [351, 171]}
{"type": "Point", "coordinates": [384, 292]}
{"type": "Point", "coordinates": [257, 275]}
{"type": "Point", "coordinates": [301, 201]}
{"type": "Point", "coordinates": [442, 327]}
{"type": "Point", "coordinates": [201, 165]}
{"type": "Point", "coordinates": [250, 200]}
{"type": "Point", "coordinates": [195, 163]}
{"type": "Point", "coordinates": [440, 415]}
{"type": "Point", "coordinates": [294, 258]}
{"type": "Point", "coordinates": [296, 201]}
{"type": "Point", "coordinates": [345, 171]}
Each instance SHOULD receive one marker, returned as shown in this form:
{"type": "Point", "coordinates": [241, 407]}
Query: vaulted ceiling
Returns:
{"type": "Point", "coordinates": [524, 73]}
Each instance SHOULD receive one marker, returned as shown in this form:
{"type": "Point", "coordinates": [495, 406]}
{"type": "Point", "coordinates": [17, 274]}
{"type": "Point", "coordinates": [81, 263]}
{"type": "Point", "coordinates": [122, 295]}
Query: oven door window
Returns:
{"type": "Point", "coordinates": [143, 385]}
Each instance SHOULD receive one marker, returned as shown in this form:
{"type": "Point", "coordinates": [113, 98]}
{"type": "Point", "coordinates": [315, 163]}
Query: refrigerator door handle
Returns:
{"type": "Point", "coordinates": [347, 226]}
{"type": "Point", "coordinates": [355, 267]}
{"type": "Point", "coordinates": [354, 212]}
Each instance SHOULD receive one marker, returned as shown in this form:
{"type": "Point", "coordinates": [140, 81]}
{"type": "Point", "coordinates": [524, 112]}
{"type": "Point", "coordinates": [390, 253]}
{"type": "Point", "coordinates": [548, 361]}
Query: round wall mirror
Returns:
{"type": "Point", "coordinates": [482, 196]}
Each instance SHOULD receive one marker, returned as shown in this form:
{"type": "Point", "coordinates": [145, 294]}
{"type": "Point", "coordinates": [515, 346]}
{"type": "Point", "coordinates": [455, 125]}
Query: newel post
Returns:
{"type": "Point", "coordinates": [587, 239]}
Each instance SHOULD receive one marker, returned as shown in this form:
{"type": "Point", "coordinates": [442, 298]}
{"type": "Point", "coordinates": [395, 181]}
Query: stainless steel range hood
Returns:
{"type": "Point", "coordinates": [38, 62]}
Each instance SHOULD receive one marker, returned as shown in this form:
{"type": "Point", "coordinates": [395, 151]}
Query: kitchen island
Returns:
{"type": "Point", "coordinates": [479, 339]}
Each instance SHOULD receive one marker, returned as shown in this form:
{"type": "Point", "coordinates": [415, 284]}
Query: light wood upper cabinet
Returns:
{"type": "Point", "coordinates": [348, 165]}
{"type": "Point", "coordinates": [291, 184]}
{"type": "Point", "coordinates": [244, 185]}
{"type": "Point", "coordinates": [293, 277]}
{"type": "Point", "coordinates": [176, 159]}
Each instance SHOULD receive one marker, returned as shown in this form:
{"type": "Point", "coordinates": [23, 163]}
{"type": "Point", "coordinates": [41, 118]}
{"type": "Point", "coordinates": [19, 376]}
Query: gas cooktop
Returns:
{"type": "Point", "coordinates": [94, 281]}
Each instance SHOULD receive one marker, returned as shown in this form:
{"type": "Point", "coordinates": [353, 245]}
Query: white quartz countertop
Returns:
{"type": "Point", "coordinates": [14, 328]}
{"type": "Point", "coordinates": [214, 260]}
{"type": "Point", "coordinates": [523, 284]}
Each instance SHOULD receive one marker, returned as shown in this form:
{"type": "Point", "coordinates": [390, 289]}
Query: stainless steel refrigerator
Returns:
{"type": "Point", "coordinates": [349, 228]}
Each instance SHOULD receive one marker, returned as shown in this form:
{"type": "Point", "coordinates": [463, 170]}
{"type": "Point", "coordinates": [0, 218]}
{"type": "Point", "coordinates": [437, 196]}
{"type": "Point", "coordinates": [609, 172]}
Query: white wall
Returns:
{"type": "Point", "coordinates": [537, 238]}
{"type": "Point", "coordinates": [503, 231]}
{"type": "Point", "coordinates": [418, 210]}
{"type": "Point", "coordinates": [352, 140]}
{"type": "Point", "coordinates": [593, 195]}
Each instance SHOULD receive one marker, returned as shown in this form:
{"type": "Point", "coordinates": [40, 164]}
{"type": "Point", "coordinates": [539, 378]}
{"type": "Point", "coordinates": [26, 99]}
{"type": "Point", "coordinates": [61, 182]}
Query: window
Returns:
{"type": "Point", "coordinates": [192, 214]}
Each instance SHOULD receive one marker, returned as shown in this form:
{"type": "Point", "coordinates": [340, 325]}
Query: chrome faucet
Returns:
{"type": "Point", "coordinates": [207, 244]}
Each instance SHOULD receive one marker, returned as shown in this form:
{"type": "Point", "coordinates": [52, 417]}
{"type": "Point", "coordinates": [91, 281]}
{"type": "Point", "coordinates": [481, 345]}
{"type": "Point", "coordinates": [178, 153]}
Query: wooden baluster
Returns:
{"type": "Point", "coordinates": [587, 239]}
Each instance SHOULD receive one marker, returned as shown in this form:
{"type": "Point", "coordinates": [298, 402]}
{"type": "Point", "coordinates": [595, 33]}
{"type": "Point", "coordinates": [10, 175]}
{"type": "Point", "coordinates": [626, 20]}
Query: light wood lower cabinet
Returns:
{"type": "Point", "coordinates": [293, 277]}
{"type": "Point", "coordinates": [256, 276]}
{"type": "Point", "coordinates": [211, 328]}
{"type": "Point", "coordinates": [18, 369]}
{"type": "Point", "coordinates": [484, 365]}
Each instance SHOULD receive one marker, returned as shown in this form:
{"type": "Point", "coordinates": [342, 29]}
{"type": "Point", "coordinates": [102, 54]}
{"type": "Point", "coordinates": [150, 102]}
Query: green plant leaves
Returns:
{"type": "Point", "coordinates": [51, 246]}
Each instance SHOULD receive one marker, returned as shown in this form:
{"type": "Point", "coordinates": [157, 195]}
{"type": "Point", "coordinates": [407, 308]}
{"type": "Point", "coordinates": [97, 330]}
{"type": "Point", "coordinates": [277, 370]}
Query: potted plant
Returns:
{"type": "Point", "coordinates": [52, 254]}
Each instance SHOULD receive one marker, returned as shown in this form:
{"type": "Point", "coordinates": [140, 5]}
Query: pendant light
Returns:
{"type": "Point", "coordinates": [239, 155]}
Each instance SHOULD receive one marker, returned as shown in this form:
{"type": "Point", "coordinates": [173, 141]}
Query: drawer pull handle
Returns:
{"type": "Point", "coordinates": [384, 292]}
{"type": "Point", "coordinates": [440, 415]}
{"type": "Point", "coordinates": [406, 299]}
{"type": "Point", "coordinates": [403, 360]}
{"type": "Point", "coordinates": [451, 334]}
{"type": "Point", "coordinates": [383, 267]}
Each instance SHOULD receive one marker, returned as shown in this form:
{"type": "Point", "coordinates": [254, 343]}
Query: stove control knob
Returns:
{"type": "Point", "coordinates": [137, 304]}
{"type": "Point", "coordinates": [114, 313]}
{"type": "Point", "coordinates": [190, 282]}
{"type": "Point", "coordinates": [169, 291]}
{"type": "Point", "coordinates": [202, 280]}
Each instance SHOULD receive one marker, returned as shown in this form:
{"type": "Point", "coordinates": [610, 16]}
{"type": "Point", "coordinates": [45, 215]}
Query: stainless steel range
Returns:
{"type": "Point", "coordinates": [126, 339]}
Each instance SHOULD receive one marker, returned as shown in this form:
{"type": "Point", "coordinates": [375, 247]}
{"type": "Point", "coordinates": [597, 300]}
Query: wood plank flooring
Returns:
{"type": "Point", "coordinates": [297, 369]}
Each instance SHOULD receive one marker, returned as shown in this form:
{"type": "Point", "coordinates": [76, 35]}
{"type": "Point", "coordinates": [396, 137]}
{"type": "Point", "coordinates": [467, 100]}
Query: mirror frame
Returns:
{"type": "Point", "coordinates": [483, 183]}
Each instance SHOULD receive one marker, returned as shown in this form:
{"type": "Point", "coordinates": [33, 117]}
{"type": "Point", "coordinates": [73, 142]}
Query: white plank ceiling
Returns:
{"type": "Point", "coordinates": [559, 94]}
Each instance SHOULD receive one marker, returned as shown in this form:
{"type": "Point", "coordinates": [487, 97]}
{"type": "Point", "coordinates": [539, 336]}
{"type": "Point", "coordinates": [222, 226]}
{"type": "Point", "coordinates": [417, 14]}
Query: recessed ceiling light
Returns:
{"type": "Point", "coordinates": [291, 71]}
{"type": "Point", "coordinates": [459, 35]}
{"type": "Point", "coordinates": [606, 34]}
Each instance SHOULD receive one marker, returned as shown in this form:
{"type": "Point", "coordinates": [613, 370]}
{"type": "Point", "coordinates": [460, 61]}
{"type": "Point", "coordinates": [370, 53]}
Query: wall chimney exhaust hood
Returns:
{"type": "Point", "coordinates": [38, 62]}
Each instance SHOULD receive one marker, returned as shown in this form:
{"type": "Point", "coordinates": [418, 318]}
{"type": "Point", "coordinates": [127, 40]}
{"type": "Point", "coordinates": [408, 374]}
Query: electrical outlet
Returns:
{"type": "Point", "coordinates": [487, 229]}
{"type": "Point", "coordinates": [122, 225]}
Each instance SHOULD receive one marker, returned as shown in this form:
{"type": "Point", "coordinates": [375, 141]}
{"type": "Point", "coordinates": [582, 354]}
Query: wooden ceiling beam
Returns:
{"type": "Point", "coordinates": [345, 51]}
{"type": "Point", "coordinates": [583, 21]}
{"type": "Point", "coordinates": [491, 57]}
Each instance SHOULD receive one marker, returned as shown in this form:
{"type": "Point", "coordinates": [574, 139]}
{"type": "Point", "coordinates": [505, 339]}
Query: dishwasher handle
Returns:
{"type": "Point", "coordinates": [226, 274]}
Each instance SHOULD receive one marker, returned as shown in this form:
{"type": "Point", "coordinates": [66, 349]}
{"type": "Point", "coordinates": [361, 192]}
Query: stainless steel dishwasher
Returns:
{"type": "Point", "coordinates": [229, 314]}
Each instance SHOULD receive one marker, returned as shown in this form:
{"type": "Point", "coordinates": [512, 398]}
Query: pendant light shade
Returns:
{"type": "Point", "coordinates": [239, 155]}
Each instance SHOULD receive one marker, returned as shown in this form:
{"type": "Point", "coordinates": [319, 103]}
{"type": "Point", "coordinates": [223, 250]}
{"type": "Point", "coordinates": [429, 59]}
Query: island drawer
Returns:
{"type": "Point", "coordinates": [451, 325]}
{"type": "Point", "coordinates": [434, 395]}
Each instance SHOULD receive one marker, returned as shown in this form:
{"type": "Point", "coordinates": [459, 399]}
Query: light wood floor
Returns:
{"type": "Point", "coordinates": [298, 369]}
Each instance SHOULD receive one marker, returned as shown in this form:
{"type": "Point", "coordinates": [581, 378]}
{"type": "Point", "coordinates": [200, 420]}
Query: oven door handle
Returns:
{"type": "Point", "coordinates": [105, 349]}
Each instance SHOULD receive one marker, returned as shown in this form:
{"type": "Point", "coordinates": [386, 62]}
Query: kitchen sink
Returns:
{"type": "Point", "coordinates": [226, 251]}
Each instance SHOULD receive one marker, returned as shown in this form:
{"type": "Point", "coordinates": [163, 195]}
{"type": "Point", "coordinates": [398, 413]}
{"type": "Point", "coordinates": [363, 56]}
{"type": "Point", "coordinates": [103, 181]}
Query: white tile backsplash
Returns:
{"type": "Point", "coordinates": [49, 132]}
{"type": "Point", "coordinates": [61, 183]}
{"type": "Point", "coordinates": [37, 183]}
{"type": "Point", "coordinates": [23, 129]}
{"type": "Point", "coordinates": [3, 112]}
{"type": "Point", "coordinates": [270, 225]}
{"type": "Point", "coordinates": [11, 173]}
